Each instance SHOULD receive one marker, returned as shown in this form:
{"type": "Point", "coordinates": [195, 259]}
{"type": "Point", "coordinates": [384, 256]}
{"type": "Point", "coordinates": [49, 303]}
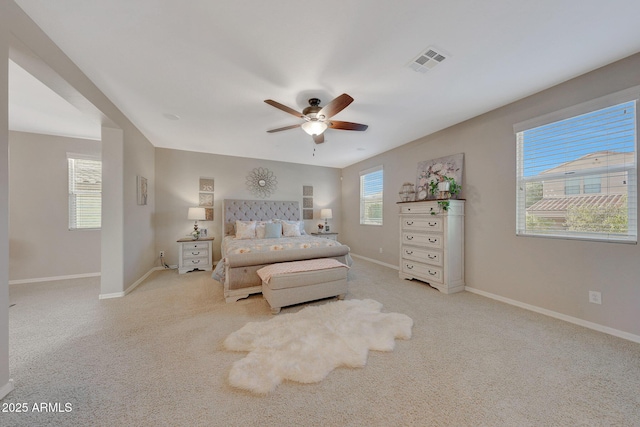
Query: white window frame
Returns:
{"type": "Point", "coordinates": [364, 217]}
{"type": "Point", "coordinates": [628, 95]}
{"type": "Point", "coordinates": [74, 222]}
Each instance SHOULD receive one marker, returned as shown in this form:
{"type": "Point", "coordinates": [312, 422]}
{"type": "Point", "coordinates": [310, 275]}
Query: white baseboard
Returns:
{"type": "Point", "coordinates": [6, 389]}
{"type": "Point", "coordinates": [556, 315]}
{"type": "Point", "coordinates": [130, 288]}
{"type": "Point", "coordinates": [375, 261]}
{"type": "Point", "coordinates": [54, 278]}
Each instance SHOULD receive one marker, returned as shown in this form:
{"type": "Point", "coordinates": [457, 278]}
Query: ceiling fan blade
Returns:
{"type": "Point", "coordinates": [334, 124]}
{"type": "Point", "coordinates": [318, 139]}
{"type": "Point", "coordinates": [284, 108]}
{"type": "Point", "coordinates": [284, 128]}
{"type": "Point", "coordinates": [335, 106]}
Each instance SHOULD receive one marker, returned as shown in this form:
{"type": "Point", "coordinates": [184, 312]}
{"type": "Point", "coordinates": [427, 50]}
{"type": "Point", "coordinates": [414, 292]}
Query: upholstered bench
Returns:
{"type": "Point", "coordinates": [289, 283]}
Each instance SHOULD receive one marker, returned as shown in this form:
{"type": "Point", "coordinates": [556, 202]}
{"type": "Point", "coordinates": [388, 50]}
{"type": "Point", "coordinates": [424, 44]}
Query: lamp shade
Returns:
{"type": "Point", "coordinates": [326, 214]}
{"type": "Point", "coordinates": [314, 127]}
{"type": "Point", "coordinates": [196, 214]}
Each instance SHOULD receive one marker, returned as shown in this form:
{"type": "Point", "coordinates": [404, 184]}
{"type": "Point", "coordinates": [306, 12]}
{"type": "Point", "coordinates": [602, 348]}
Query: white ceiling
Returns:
{"type": "Point", "coordinates": [214, 62]}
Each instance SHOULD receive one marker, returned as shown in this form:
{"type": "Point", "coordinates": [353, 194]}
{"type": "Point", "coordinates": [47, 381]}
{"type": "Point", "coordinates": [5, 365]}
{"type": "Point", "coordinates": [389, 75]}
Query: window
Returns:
{"type": "Point", "coordinates": [576, 171]}
{"type": "Point", "coordinates": [85, 192]}
{"type": "Point", "coordinates": [371, 196]}
{"type": "Point", "coordinates": [592, 184]}
{"type": "Point", "coordinates": [571, 186]}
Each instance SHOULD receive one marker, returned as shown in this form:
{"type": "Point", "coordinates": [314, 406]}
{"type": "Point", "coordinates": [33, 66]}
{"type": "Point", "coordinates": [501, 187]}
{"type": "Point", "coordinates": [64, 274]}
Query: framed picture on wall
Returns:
{"type": "Point", "coordinates": [141, 183]}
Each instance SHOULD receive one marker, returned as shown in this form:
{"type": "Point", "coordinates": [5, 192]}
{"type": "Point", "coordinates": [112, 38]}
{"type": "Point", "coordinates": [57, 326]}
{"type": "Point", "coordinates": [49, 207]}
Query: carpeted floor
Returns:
{"type": "Point", "coordinates": [155, 358]}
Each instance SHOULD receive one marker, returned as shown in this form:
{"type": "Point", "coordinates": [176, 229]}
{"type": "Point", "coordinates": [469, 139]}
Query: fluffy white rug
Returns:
{"type": "Point", "coordinates": [307, 345]}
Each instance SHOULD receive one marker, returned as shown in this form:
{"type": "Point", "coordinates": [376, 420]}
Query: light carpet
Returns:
{"type": "Point", "coordinates": [306, 346]}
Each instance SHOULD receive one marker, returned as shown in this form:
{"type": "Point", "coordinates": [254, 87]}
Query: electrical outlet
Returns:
{"type": "Point", "coordinates": [595, 297]}
{"type": "Point", "coordinates": [161, 254]}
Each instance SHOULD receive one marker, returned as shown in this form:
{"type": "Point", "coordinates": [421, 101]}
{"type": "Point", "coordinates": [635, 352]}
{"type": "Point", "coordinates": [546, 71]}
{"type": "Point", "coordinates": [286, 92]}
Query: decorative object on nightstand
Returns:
{"type": "Point", "coordinates": [196, 214]}
{"type": "Point", "coordinates": [195, 256]}
{"type": "Point", "coordinates": [326, 214]}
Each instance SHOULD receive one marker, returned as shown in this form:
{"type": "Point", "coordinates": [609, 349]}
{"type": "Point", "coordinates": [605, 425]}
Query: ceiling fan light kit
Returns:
{"type": "Point", "coordinates": [317, 119]}
{"type": "Point", "coordinates": [314, 127]}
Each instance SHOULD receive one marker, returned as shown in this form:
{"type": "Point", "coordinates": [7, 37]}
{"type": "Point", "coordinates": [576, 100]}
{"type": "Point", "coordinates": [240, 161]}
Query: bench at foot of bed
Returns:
{"type": "Point", "coordinates": [290, 283]}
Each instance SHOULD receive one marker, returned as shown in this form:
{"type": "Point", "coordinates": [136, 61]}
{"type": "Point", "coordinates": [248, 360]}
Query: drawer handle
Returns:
{"type": "Point", "coordinates": [195, 253]}
{"type": "Point", "coordinates": [408, 209]}
{"type": "Point", "coordinates": [432, 240]}
{"type": "Point", "coordinates": [409, 237]}
{"type": "Point", "coordinates": [433, 273]}
{"type": "Point", "coordinates": [408, 252]}
{"type": "Point", "coordinates": [409, 222]}
{"type": "Point", "coordinates": [432, 256]}
{"type": "Point", "coordinates": [410, 267]}
{"type": "Point", "coordinates": [433, 224]}
{"type": "Point", "coordinates": [195, 261]}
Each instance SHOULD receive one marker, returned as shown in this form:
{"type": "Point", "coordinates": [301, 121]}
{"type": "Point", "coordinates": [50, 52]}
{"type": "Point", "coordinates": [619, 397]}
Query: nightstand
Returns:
{"type": "Point", "coordinates": [330, 236]}
{"type": "Point", "coordinates": [195, 254]}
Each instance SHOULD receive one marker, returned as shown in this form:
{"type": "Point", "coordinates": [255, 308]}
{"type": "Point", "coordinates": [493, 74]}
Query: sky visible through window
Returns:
{"type": "Point", "coordinates": [372, 183]}
{"type": "Point", "coordinates": [608, 129]}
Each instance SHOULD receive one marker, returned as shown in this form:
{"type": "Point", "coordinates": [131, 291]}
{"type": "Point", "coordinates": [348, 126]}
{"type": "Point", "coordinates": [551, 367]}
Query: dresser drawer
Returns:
{"type": "Point", "coordinates": [420, 208]}
{"type": "Point", "coordinates": [194, 262]}
{"type": "Point", "coordinates": [195, 253]}
{"type": "Point", "coordinates": [430, 240]}
{"type": "Point", "coordinates": [421, 271]}
{"type": "Point", "coordinates": [422, 255]}
{"type": "Point", "coordinates": [195, 245]}
{"type": "Point", "coordinates": [422, 224]}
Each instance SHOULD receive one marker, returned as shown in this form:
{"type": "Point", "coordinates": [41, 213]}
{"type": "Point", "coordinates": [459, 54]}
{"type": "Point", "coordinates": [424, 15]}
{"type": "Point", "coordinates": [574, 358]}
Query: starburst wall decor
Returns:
{"type": "Point", "coordinates": [262, 182]}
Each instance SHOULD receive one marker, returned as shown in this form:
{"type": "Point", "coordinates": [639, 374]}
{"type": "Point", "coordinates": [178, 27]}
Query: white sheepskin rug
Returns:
{"type": "Point", "coordinates": [307, 345]}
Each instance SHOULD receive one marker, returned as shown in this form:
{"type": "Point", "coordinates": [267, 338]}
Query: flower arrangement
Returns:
{"type": "Point", "coordinates": [195, 234]}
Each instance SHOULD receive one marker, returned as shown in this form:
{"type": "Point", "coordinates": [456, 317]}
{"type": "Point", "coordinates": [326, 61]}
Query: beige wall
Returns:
{"type": "Point", "coordinates": [177, 178]}
{"type": "Point", "coordinates": [38, 209]}
{"type": "Point", "coordinates": [552, 274]}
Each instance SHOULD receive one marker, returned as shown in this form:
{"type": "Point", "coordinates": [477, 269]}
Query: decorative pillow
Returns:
{"type": "Point", "coordinates": [273, 230]}
{"type": "Point", "coordinates": [245, 229]}
{"type": "Point", "coordinates": [260, 229]}
{"type": "Point", "coordinates": [299, 223]}
{"type": "Point", "coordinates": [290, 229]}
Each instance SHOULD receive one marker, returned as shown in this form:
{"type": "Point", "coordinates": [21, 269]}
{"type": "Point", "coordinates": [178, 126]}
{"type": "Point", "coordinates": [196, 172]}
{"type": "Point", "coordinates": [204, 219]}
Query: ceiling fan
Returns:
{"type": "Point", "coordinates": [317, 118]}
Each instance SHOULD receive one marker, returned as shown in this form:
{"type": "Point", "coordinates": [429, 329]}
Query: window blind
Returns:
{"type": "Point", "coordinates": [577, 177]}
{"type": "Point", "coordinates": [371, 195]}
{"type": "Point", "coordinates": [85, 192]}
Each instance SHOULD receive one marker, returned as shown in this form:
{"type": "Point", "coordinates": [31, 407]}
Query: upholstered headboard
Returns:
{"type": "Point", "coordinates": [257, 210]}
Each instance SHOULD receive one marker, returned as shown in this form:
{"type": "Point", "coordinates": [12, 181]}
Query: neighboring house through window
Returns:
{"type": "Point", "coordinates": [371, 184]}
{"type": "Point", "coordinates": [85, 192]}
{"type": "Point", "coordinates": [576, 171]}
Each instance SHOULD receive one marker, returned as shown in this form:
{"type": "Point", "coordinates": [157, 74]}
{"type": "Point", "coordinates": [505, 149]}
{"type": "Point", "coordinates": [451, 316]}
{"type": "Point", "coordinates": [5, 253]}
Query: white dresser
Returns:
{"type": "Point", "coordinates": [432, 244]}
{"type": "Point", "coordinates": [195, 255]}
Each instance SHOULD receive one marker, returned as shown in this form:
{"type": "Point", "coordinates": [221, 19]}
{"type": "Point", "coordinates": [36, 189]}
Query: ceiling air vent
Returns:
{"type": "Point", "coordinates": [427, 60]}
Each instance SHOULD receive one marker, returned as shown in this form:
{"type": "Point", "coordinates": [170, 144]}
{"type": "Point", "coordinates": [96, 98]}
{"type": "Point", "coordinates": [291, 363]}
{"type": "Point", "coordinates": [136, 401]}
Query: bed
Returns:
{"type": "Point", "coordinates": [242, 258]}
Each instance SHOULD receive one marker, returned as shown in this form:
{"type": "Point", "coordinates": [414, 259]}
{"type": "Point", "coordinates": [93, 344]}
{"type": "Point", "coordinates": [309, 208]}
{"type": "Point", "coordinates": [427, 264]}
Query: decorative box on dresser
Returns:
{"type": "Point", "coordinates": [195, 254]}
{"type": "Point", "coordinates": [432, 245]}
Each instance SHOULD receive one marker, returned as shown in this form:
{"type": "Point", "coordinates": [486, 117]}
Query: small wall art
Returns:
{"type": "Point", "coordinates": [206, 185]}
{"type": "Point", "coordinates": [141, 184]}
{"type": "Point", "coordinates": [434, 170]}
{"type": "Point", "coordinates": [206, 200]}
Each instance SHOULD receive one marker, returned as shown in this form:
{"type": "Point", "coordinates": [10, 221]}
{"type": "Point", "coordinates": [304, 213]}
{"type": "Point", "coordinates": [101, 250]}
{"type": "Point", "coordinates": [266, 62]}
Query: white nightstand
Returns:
{"type": "Point", "coordinates": [330, 236]}
{"type": "Point", "coordinates": [195, 254]}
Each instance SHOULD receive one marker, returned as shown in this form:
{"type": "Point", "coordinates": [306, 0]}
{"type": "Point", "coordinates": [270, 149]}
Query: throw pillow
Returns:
{"type": "Point", "coordinates": [245, 229]}
{"type": "Point", "coordinates": [290, 230]}
{"type": "Point", "coordinates": [260, 229]}
{"type": "Point", "coordinates": [273, 230]}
